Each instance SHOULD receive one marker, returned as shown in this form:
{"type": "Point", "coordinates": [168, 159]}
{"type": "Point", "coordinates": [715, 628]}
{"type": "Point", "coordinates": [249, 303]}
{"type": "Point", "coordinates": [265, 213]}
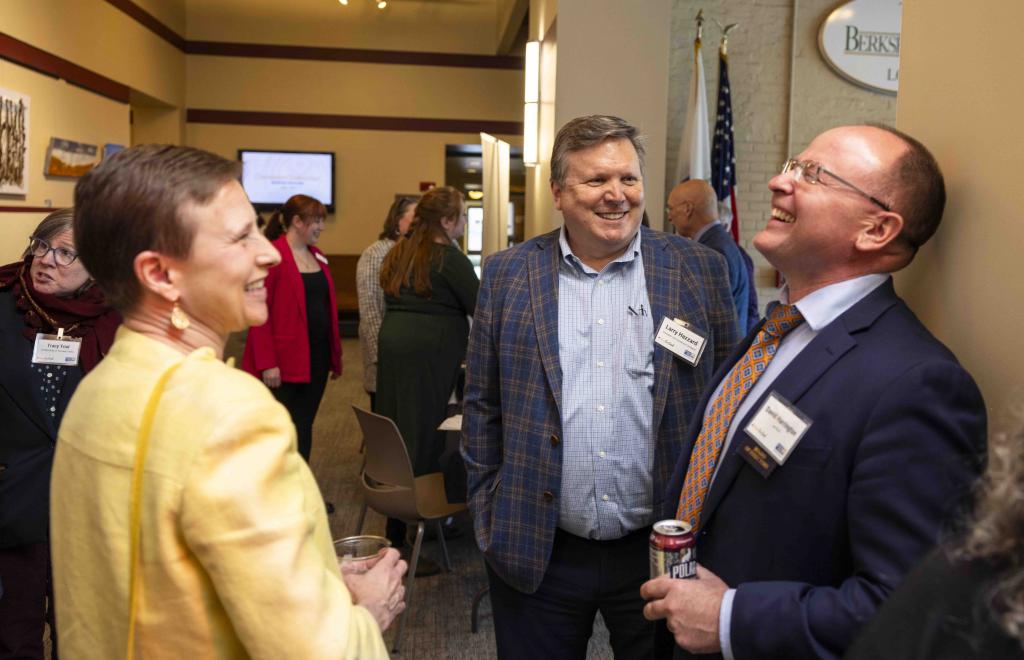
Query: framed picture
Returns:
{"type": "Point", "coordinates": [69, 158]}
{"type": "Point", "coordinates": [14, 116]}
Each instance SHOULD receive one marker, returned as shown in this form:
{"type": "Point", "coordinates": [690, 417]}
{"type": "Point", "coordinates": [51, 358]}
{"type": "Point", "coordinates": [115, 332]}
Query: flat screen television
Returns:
{"type": "Point", "coordinates": [271, 177]}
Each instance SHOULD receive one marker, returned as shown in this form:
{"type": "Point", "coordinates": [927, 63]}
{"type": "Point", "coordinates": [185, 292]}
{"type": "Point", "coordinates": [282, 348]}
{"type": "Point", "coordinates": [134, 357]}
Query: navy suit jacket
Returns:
{"type": "Point", "coordinates": [897, 436]}
{"type": "Point", "coordinates": [740, 275]}
{"type": "Point", "coordinates": [29, 435]}
{"type": "Point", "coordinates": [511, 420]}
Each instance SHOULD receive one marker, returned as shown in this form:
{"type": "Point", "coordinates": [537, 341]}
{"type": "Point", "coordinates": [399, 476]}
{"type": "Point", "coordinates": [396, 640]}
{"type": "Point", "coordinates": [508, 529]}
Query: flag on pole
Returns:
{"type": "Point", "coordinates": [723, 157]}
{"type": "Point", "coordinates": [694, 160]}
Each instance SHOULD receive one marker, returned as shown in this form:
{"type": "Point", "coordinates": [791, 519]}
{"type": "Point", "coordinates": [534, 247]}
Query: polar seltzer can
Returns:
{"type": "Point", "coordinates": [673, 550]}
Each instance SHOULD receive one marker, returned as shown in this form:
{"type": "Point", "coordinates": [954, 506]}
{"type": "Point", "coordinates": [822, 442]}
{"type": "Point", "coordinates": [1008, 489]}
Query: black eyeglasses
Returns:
{"type": "Point", "coordinates": [810, 171]}
{"type": "Point", "coordinates": [40, 248]}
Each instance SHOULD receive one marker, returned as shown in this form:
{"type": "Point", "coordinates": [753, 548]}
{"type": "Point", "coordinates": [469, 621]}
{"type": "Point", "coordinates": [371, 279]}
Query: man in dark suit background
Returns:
{"type": "Point", "coordinates": [573, 415]}
{"type": "Point", "coordinates": [877, 427]}
{"type": "Point", "coordinates": [693, 210]}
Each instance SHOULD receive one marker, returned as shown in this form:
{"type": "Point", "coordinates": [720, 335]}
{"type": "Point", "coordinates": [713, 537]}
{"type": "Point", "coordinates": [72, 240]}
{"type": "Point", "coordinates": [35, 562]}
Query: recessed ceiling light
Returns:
{"type": "Point", "coordinates": [382, 4]}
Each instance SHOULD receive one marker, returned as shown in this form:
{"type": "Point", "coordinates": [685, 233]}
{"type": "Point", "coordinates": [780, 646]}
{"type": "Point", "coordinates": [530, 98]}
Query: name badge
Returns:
{"type": "Point", "coordinates": [321, 258]}
{"type": "Point", "coordinates": [56, 349]}
{"type": "Point", "coordinates": [772, 434]}
{"type": "Point", "coordinates": [681, 339]}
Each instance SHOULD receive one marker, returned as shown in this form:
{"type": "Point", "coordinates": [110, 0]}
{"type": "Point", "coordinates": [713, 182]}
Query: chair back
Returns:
{"type": "Point", "coordinates": [387, 480]}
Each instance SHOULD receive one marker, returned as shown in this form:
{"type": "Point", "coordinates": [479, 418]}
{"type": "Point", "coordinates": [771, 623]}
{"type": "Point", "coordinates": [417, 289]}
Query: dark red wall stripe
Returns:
{"type": "Point", "coordinates": [150, 22]}
{"type": "Point", "coordinates": [27, 209]}
{"type": "Point", "coordinates": [29, 56]}
{"type": "Point", "coordinates": [227, 49]}
{"type": "Point", "coordinates": [358, 122]}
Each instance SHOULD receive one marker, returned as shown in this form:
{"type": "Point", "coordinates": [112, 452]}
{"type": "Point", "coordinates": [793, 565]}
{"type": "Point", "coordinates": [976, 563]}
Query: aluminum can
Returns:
{"type": "Point", "coordinates": [673, 549]}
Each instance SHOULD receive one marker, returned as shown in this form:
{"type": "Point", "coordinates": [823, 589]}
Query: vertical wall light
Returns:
{"type": "Point", "coordinates": [531, 102]}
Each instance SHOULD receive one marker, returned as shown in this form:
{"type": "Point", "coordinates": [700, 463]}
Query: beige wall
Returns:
{"type": "Point", "coordinates": [761, 50]}
{"type": "Point", "coordinates": [96, 35]}
{"type": "Point", "coordinates": [611, 59]}
{"type": "Point", "coordinates": [56, 109]}
{"type": "Point", "coordinates": [371, 167]}
{"type": "Point", "coordinates": [965, 284]}
{"type": "Point", "coordinates": [446, 27]}
{"type": "Point", "coordinates": [389, 90]}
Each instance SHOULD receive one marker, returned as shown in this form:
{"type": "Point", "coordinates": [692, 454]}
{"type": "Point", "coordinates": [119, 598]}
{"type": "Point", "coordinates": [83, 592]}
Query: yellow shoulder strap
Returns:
{"type": "Point", "coordinates": [134, 530]}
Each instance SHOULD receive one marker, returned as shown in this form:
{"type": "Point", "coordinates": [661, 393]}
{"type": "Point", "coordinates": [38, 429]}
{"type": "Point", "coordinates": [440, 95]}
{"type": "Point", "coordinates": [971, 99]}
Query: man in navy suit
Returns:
{"type": "Point", "coordinates": [574, 417]}
{"type": "Point", "coordinates": [841, 462]}
{"type": "Point", "coordinates": [693, 210]}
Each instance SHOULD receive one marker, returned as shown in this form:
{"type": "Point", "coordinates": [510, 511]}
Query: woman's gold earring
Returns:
{"type": "Point", "coordinates": [179, 319]}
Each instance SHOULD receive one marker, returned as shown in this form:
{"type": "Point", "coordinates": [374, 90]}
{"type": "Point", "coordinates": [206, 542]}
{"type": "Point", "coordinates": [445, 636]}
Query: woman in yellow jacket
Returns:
{"type": "Point", "coordinates": [184, 523]}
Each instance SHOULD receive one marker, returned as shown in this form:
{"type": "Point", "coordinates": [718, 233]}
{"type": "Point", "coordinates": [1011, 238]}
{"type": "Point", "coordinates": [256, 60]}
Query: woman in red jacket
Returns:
{"type": "Point", "coordinates": [299, 344]}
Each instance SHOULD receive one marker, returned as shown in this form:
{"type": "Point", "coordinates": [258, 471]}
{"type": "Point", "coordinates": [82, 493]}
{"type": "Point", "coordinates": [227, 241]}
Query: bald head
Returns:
{"type": "Point", "coordinates": [691, 206]}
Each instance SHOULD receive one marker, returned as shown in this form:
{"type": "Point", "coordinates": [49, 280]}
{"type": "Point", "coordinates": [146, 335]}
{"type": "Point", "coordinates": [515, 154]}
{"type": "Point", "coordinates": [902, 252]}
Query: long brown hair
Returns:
{"type": "Point", "coordinates": [304, 206]}
{"type": "Point", "coordinates": [409, 262]}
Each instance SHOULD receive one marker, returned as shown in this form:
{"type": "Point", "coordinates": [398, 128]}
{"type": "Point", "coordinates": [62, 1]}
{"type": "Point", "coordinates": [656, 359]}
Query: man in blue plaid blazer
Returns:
{"type": "Point", "coordinates": [573, 414]}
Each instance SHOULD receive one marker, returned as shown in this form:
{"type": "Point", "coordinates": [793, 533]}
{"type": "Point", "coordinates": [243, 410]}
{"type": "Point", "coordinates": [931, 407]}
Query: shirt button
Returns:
{"type": "Point", "coordinates": [52, 409]}
{"type": "Point", "coordinates": [604, 497]}
{"type": "Point", "coordinates": [549, 496]}
{"type": "Point", "coordinates": [600, 409]}
{"type": "Point", "coordinates": [600, 321]}
{"type": "Point", "coordinates": [600, 363]}
{"type": "Point", "coordinates": [601, 453]}
{"type": "Point", "coordinates": [554, 440]}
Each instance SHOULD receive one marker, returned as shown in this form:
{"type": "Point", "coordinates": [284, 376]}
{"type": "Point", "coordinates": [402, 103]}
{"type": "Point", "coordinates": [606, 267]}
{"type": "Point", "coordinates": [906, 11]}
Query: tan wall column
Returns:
{"type": "Point", "coordinates": [958, 94]}
{"type": "Point", "coordinates": [612, 58]}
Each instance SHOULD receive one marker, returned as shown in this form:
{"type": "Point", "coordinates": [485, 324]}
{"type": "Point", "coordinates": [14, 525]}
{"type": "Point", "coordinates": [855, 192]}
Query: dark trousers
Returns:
{"type": "Point", "coordinates": [584, 577]}
{"type": "Point", "coordinates": [302, 401]}
{"type": "Point", "coordinates": [25, 578]}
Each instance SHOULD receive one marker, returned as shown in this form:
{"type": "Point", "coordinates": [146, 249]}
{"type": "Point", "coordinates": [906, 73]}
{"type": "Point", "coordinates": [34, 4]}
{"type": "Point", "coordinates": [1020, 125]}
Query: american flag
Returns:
{"type": "Point", "coordinates": [723, 158]}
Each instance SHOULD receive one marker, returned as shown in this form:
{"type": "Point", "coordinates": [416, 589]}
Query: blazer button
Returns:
{"type": "Point", "coordinates": [549, 496]}
{"type": "Point", "coordinates": [554, 440]}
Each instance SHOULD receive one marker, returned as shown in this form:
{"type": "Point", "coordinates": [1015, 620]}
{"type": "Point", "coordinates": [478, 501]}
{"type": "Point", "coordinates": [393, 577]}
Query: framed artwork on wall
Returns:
{"type": "Point", "coordinates": [14, 116]}
{"type": "Point", "coordinates": [70, 158]}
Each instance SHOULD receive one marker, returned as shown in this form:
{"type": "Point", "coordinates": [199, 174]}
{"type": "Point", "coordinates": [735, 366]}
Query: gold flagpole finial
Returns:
{"type": "Point", "coordinates": [724, 46]}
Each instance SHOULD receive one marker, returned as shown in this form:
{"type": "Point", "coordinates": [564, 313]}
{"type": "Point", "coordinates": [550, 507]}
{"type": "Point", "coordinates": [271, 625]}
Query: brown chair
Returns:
{"type": "Point", "coordinates": [391, 489]}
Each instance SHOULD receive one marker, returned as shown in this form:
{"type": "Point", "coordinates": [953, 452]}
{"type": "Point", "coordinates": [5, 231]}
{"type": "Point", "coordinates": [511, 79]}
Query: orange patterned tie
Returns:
{"type": "Point", "coordinates": [704, 458]}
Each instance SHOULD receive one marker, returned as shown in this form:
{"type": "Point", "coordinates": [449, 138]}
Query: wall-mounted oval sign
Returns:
{"type": "Point", "coordinates": [861, 41]}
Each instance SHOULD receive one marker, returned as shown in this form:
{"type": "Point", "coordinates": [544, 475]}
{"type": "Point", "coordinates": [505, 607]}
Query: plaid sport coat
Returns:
{"type": "Point", "coordinates": [511, 419]}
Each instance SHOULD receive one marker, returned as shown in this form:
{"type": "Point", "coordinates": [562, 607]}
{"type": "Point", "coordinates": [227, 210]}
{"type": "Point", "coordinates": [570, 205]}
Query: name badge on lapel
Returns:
{"type": "Point", "coordinates": [319, 257]}
{"type": "Point", "coordinates": [772, 434]}
{"type": "Point", "coordinates": [56, 349]}
{"type": "Point", "coordinates": [681, 339]}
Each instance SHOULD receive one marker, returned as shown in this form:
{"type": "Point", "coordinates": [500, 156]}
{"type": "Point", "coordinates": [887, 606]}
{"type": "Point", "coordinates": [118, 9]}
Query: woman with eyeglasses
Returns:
{"type": "Point", "coordinates": [54, 327]}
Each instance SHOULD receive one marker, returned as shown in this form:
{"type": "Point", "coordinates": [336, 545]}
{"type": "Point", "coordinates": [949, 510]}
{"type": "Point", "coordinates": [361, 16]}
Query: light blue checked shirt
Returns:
{"type": "Point", "coordinates": [606, 352]}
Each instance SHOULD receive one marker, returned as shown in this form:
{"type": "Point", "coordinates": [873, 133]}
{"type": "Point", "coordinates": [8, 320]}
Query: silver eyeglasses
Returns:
{"type": "Point", "coordinates": [40, 248]}
{"type": "Point", "coordinates": [810, 171]}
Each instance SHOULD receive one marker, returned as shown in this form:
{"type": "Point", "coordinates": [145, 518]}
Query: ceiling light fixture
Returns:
{"type": "Point", "coordinates": [382, 4]}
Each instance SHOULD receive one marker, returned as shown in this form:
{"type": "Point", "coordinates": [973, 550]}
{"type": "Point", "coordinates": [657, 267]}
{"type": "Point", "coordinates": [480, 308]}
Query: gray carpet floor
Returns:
{"type": "Point", "coordinates": [438, 624]}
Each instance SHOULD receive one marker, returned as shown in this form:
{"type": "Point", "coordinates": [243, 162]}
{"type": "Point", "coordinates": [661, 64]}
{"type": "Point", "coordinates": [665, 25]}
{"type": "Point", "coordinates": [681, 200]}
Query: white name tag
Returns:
{"type": "Point", "coordinates": [56, 349]}
{"type": "Point", "coordinates": [321, 258]}
{"type": "Point", "coordinates": [683, 341]}
{"type": "Point", "coordinates": [777, 427]}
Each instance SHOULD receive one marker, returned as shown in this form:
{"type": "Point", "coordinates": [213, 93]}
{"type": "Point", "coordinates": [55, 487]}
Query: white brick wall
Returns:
{"type": "Point", "coordinates": [759, 69]}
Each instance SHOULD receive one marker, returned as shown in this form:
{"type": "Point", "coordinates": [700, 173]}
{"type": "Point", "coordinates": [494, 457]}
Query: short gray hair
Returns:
{"type": "Point", "coordinates": [584, 132]}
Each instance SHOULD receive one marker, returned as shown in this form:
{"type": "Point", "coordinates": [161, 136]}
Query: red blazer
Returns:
{"type": "Point", "coordinates": [283, 341]}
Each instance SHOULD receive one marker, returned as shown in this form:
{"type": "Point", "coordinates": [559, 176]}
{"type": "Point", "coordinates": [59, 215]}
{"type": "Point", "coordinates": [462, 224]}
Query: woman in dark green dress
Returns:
{"type": "Point", "coordinates": [429, 290]}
